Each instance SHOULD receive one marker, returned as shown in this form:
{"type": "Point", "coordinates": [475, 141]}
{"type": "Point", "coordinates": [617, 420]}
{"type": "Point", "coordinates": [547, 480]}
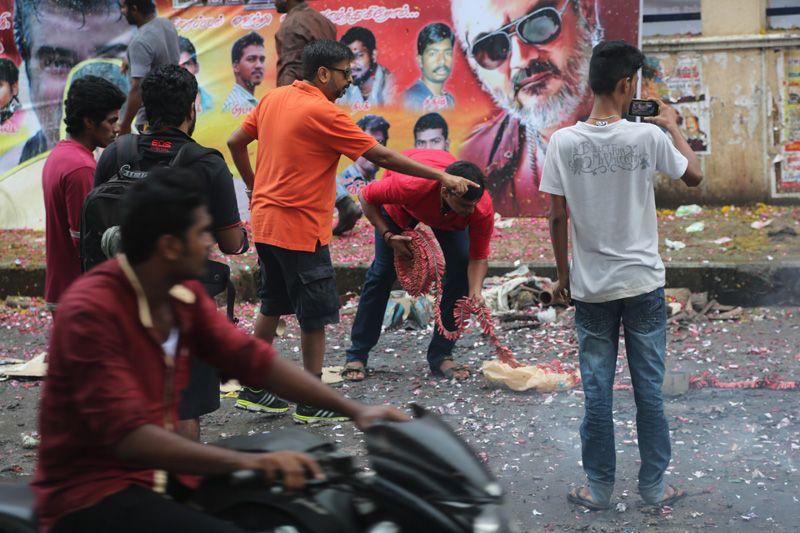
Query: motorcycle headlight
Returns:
{"type": "Point", "coordinates": [490, 520]}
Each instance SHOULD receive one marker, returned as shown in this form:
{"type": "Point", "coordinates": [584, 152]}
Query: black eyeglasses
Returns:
{"type": "Point", "coordinates": [540, 26]}
{"type": "Point", "coordinates": [346, 71]}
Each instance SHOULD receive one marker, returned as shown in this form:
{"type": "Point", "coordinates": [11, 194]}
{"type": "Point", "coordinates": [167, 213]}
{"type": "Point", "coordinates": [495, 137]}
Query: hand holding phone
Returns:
{"type": "Point", "coordinates": [643, 108]}
{"type": "Point", "coordinates": [667, 116]}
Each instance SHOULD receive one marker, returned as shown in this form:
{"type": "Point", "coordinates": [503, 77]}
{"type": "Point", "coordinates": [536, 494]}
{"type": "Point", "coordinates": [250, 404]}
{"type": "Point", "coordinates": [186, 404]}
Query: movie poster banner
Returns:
{"type": "Point", "coordinates": [503, 74]}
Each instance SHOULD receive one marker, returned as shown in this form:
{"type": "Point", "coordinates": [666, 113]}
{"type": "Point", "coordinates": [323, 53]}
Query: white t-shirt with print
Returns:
{"type": "Point", "coordinates": [606, 174]}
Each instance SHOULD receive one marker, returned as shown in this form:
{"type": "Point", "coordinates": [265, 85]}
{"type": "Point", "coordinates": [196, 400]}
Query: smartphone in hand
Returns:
{"type": "Point", "coordinates": [643, 108]}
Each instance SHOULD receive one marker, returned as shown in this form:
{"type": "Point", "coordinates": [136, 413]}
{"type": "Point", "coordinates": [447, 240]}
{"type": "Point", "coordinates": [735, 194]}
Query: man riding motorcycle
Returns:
{"type": "Point", "coordinates": [119, 357]}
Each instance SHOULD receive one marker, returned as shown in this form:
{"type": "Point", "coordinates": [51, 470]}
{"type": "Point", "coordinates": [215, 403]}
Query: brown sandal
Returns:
{"type": "Point", "coordinates": [352, 368]}
{"type": "Point", "coordinates": [450, 373]}
{"type": "Point", "coordinates": [574, 496]}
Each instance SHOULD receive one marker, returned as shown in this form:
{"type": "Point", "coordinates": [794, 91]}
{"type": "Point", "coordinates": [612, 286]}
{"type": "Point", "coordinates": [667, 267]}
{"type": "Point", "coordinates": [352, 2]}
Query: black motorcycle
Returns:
{"type": "Point", "coordinates": [421, 477]}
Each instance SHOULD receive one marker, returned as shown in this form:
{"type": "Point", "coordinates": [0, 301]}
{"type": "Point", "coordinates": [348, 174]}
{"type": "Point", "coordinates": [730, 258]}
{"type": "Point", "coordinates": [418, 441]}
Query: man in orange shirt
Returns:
{"type": "Point", "coordinates": [302, 134]}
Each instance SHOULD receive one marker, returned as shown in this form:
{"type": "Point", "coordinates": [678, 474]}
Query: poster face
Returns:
{"type": "Point", "coordinates": [679, 82]}
{"type": "Point", "coordinates": [503, 74]}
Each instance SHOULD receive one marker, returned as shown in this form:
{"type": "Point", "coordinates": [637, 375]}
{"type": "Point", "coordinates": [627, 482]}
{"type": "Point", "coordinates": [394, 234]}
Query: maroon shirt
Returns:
{"type": "Point", "coordinates": [66, 180]}
{"type": "Point", "coordinates": [406, 198]}
{"type": "Point", "coordinates": [108, 375]}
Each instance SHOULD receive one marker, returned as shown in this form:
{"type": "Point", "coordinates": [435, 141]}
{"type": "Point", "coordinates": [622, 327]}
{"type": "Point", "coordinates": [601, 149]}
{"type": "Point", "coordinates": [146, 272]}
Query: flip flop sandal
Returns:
{"type": "Point", "coordinates": [350, 369]}
{"type": "Point", "coordinates": [577, 499]}
{"type": "Point", "coordinates": [450, 373]}
{"type": "Point", "coordinates": [677, 495]}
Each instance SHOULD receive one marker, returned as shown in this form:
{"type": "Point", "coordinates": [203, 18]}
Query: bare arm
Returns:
{"type": "Point", "coordinates": [132, 106]}
{"type": "Point", "coordinates": [694, 172]}
{"type": "Point", "coordinates": [559, 239]}
{"type": "Point", "coordinates": [292, 383]}
{"type": "Point", "coordinates": [668, 118]}
{"type": "Point", "coordinates": [237, 144]}
{"type": "Point", "coordinates": [154, 447]}
{"type": "Point", "coordinates": [232, 241]}
{"type": "Point", "coordinates": [150, 446]}
{"type": "Point", "coordinates": [398, 242]}
{"type": "Point", "coordinates": [386, 158]}
{"type": "Point", "coordinates": [476, 273]}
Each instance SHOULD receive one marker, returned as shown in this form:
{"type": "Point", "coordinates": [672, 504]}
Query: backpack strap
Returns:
{"type": "Point", "coordinates": [127, 149]}
{"type": "Point", "coordinates": [192, 152]}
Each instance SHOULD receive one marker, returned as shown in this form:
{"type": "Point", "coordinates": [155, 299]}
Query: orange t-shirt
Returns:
{"type": "Point", "coordinates": [301, 135]}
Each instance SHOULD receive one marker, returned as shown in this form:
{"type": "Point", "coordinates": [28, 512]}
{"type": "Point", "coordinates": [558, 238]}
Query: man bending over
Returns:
{"type": "Point", "coordinates": [463, 226]}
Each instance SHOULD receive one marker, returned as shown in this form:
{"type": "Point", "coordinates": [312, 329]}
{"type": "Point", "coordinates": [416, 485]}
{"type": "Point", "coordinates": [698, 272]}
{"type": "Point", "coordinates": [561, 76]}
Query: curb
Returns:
{"type": "Point", "coordinates": [745, 284]}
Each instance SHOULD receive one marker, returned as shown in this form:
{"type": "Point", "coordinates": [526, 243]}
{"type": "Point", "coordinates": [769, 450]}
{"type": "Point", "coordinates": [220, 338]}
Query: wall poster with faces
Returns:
{"type": "Point", "coordinates": [504, 74]}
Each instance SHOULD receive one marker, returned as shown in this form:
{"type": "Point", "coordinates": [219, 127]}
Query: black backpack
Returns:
{"type": "Point", "coordinates": [101, 213]}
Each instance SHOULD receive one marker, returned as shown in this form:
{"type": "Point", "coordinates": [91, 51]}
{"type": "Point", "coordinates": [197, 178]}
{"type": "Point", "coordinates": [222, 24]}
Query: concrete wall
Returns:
{"type": "Point", "coordinates": [740, 69]}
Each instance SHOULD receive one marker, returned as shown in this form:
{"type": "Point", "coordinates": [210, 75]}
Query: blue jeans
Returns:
{"type": "Point", "coordinates": [644, 319]}
{"type": "Point", "coordinates": [341, 192]}
{"type": "Point", "coordinates": [378, 284]}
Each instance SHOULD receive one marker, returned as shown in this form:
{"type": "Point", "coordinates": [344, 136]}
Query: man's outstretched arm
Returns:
{"type": "Point", "coordinates": [256, 364]}
{"type": "Point", "coordinates": [150, 446]}
{"type": "Point", "coordinates": [389, 159]}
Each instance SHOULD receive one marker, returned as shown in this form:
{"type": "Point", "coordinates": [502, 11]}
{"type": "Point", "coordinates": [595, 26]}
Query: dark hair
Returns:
{"type": "Point", "coordinates": [374, 123]}
{"type": "Point", "coordinates": [241, 43]}
{"type": "Point", "coordinates": [90, 97]}
{"type": "Point", "coordinates": [185, 45]}
{"type": "Point", "coordinates": [431, 121]}
{"type": "Point", "coordinates": [9, 72]}
{"type": "Point", "coordinates": [25, 11]}
{"type": "Point", "coordinates": [359, 33]}
{"type": "Point", "coordinates": [613, 61]}
{"type": "Point", "coordinates": [145, 7]}
{"type": "Point", "coordinates": [433, 33]}
{"type": "Point", "coordinates": [323, 53]}
{"type": "Point", "coordinates": [163, 203]}
{"type": "Point", "coordinates": [168, 94]}
{"type": "Point", "coordinates": [468, 170]}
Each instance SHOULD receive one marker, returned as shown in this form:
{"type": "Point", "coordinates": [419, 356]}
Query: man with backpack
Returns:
{"type": "Point", "coordinates": [169, 93]}
{"type": "Point", "coordinates": [92, 114]}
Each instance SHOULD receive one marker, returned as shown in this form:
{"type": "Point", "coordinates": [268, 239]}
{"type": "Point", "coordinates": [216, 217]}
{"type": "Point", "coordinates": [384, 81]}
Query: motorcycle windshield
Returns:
{"type": "Point", "coordinates": [431, 448]}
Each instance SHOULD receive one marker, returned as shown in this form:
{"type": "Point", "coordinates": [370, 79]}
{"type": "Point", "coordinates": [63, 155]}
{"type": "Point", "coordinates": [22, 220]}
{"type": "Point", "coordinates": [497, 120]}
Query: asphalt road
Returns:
{"type": "Point", "coordinates": [736, 451]}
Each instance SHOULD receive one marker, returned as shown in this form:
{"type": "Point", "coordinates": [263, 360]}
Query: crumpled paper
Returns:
{"type": "Point", "coordinates": [528, 377]}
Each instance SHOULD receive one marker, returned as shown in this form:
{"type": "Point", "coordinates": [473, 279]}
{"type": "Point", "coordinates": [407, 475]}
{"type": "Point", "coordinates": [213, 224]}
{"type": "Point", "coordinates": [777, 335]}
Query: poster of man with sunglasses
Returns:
{"type": "Point", "coordinates": [532, 57]}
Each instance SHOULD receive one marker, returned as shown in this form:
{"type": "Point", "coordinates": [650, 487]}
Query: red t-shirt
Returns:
{"type": "Point", "coordinates": [66, 180]}
{"type": "Point", "coordinates": [108, 375]}
{"type": "Point", "coordinates": [407, 198]}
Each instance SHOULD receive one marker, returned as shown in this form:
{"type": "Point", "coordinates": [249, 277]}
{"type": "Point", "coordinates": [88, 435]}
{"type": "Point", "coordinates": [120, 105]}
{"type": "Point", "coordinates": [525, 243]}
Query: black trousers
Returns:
{"type": "Point", "coordinates": [136, 510]}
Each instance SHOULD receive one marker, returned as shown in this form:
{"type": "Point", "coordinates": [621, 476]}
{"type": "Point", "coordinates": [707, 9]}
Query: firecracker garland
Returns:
{"type": "Point", "coordinates": [423, 273]}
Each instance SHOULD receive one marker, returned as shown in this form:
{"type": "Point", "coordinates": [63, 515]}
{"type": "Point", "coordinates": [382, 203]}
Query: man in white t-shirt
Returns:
{"type": "Point", "coordinates": [604, 170]}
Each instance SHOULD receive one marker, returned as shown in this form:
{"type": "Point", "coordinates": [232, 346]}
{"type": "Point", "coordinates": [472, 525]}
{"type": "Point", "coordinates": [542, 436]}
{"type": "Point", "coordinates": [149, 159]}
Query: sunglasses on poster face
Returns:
{"type": "Point", "coordinates": [540, 26]}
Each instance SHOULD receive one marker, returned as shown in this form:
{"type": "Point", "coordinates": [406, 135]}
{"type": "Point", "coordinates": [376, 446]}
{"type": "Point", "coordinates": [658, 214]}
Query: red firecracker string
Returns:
{"type": "Point", "coordinates": [423, 275]}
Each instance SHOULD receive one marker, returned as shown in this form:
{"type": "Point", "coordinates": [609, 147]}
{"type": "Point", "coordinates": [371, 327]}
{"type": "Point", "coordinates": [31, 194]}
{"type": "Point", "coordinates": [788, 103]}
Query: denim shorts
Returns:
{"type": "Point", "coordinates": [298, 283]}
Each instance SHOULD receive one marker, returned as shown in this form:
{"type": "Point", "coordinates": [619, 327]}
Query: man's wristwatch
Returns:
{"type": "Point", "coordinates": [390, 235]}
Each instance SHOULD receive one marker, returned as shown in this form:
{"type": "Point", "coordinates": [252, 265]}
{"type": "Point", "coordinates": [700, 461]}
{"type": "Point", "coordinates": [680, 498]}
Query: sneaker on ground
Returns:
{"type": "Point", "coordinates": [261, 401]}
{"type": "Point", "coordinates": [306, 414]}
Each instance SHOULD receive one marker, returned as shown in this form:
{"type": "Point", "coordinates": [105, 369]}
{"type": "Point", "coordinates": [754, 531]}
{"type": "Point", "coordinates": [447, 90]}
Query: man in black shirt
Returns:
{"type": "Point", "coordinates": [169, 94]}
